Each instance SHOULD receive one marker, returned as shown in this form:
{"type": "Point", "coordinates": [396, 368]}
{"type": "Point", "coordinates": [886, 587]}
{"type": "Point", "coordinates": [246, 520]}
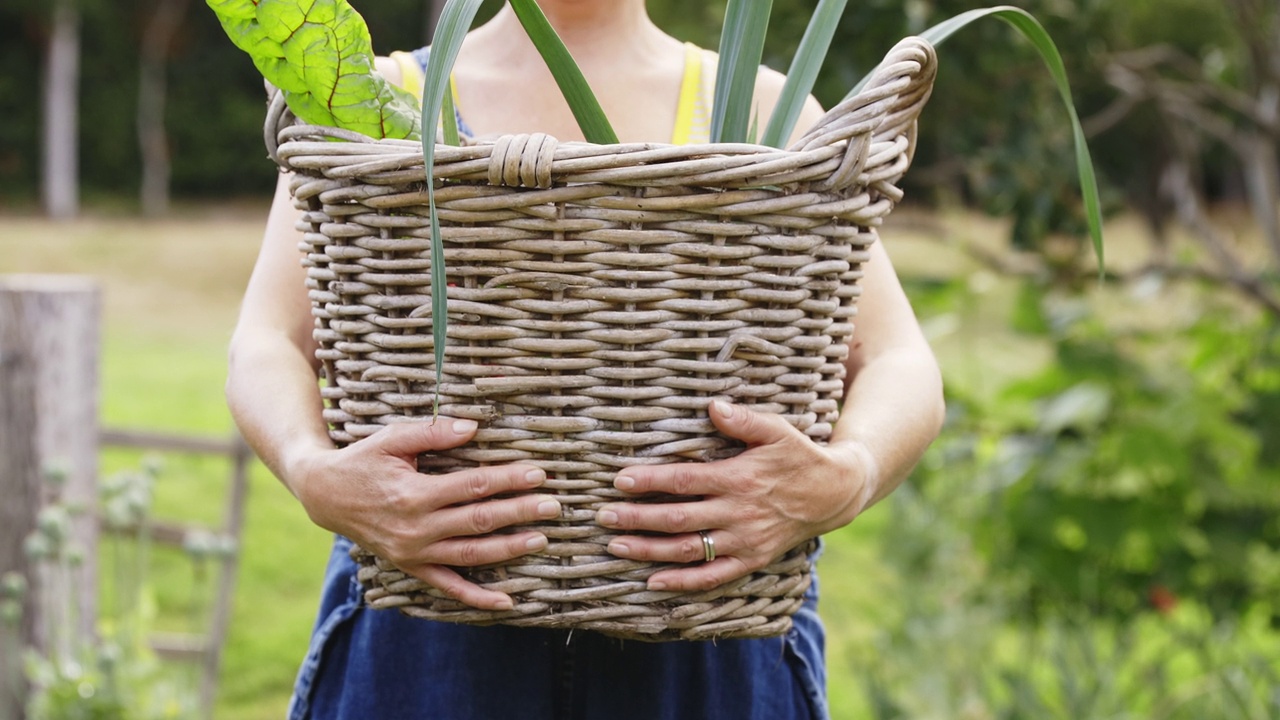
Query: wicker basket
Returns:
{"type": "Point", "coordinates": [599, 298]}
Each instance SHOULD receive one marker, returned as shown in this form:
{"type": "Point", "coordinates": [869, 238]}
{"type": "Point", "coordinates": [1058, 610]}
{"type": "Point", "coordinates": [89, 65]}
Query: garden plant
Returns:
{"type": "Point", "coordinates": [114, 675]}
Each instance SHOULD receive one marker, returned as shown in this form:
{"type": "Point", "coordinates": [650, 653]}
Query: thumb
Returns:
{"type": "Point", "coordinates": [751, 427]}
{"type": "Point", "coordinates": [408, 439]}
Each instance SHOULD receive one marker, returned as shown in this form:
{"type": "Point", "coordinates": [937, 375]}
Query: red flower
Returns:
{"type": "Point", "coordinates": [1162, 599]}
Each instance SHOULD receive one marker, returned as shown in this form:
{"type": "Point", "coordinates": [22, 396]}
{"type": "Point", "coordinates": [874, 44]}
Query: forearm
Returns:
{"type": "Point", "coordinates": [273, 395]}
{"type": "Point", "coordinates": [271, 379]}
{"type": "Point", "coordinates": [891, 413]}
{"type": "Point", "coordinates": [371, 491]}
{"type": "Point", "coordinates": [893, 406]}
{"type": "Point", "coordinates": [784, 488]}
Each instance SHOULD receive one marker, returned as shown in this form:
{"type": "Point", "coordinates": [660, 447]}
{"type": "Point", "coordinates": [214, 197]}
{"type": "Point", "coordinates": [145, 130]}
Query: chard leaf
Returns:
{"type": "Point", "coordinates": [319, 54]}
{"type": "Point", "coordinates": [239, 20]}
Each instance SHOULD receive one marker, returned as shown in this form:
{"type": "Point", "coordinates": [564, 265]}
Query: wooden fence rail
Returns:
{"type": "Point", "coordinates": [205, 648]}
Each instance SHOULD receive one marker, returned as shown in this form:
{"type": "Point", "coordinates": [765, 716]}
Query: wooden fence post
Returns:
{"type": "Point", "coordinates": [49, 347]}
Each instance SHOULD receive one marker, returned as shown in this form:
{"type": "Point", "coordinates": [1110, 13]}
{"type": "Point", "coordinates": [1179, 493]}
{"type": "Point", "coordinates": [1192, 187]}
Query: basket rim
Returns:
{"type": "Point", "coordinates": [883, 112]}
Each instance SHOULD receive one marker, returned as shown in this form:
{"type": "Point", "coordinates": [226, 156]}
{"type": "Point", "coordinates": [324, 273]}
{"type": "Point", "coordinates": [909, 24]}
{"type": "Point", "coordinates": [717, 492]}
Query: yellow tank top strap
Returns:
{"type": "Point", "coordinates": [411, 75]}
{"type": "Point", "coordinates": [693, 112]}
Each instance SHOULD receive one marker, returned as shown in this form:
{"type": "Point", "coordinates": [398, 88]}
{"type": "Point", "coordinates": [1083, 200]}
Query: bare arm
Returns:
{"type": "Point", "coordinates": [369, 491]}
{"type": "Point", "coordinates": [272, 358]}
{"type": "Point", "coordinates": [893, 405]}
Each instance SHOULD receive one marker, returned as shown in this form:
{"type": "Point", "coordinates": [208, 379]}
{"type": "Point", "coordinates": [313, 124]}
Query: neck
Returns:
{"type": "Point", "coordinates": [587, 27]}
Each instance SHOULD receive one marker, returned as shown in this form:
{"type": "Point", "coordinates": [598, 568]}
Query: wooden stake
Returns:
{"type": "Point", "coordinates": [49, 347]}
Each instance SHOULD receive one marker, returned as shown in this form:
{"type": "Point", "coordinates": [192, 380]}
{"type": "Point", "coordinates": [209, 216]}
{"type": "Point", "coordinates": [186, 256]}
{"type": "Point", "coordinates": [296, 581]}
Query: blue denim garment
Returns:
{"type": "Point", "coordinates": [384, 665]}
{"type": "Point", "coordinates": [422, 55]}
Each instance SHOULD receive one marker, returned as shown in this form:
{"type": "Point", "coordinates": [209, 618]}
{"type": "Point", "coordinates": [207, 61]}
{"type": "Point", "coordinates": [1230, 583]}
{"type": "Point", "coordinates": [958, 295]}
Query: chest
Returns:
{"type": "Point", "coordinates": [641, 103]}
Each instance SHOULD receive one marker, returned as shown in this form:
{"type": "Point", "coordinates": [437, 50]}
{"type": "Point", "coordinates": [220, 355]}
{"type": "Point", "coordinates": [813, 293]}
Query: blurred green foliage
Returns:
{"type": "Point", "coordinates": [1139, 465]}
{"type": "Point", "coordinates": [115, 674]}
{"type": "Point", "coordinates": [1098, 536]}
{"type": "Point", "coordinates": [959, 647]}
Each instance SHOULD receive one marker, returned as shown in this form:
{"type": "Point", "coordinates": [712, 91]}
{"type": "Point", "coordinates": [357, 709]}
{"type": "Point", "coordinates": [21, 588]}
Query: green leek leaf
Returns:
{"type": "Point", "coordinates": [741, 48]}
{"type": "Point", "coordinates": [455, 20]}
{"type": "Point", "coordinates": [582, 101]}
{"type": "Point", "coordinates": [449, 118]}
{"type": "Point", "coordinates": [804, 71]}
{"type": "Point", "coordinates": [1033, 31]}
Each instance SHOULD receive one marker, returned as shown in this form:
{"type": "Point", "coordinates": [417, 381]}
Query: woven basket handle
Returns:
{"type": "Point", "coordinates": [281, 120]}
{"type": "Point", "coordinates": [884, 111]}
{"type": "Point", "coordinates": [278, 118]}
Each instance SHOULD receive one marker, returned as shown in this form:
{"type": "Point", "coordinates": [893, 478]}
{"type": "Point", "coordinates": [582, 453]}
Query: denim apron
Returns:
{"type": "Point", "coordinates": [383, 665]}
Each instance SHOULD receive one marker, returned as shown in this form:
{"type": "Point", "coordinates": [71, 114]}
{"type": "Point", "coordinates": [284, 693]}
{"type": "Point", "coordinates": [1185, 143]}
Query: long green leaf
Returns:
{"type": "Point", "coordinates": [803, 72]}
{"type": "Point", "coordinates": [582, 101]}
{"type": "Point", "coordinates": [1033, 31]}
{"type": "Point", "coordinates": [455, 20]}
{"type": "Point", "coordinates": [741, 48]}
{"type": "Point", "coordinates": [449, 118]}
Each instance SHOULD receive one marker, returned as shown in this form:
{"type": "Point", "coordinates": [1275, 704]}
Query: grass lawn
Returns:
{"type": "Point", "coordinates": [171, 290]}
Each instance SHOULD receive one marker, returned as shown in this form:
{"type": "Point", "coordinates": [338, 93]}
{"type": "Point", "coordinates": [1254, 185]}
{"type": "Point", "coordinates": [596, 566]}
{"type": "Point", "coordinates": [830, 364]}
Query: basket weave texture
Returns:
{"type": "Point", "coordinates": [599, 298]}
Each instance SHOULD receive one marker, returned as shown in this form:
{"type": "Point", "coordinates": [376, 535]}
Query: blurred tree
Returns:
{"type": "Point", "coordinates": [1221, 103]}
{"type": "Point", "coordinates": [153, 140]}
{"type": "Point", "coordinates": [60, 188]}
{"type": "Point", "coordinates": [21, 36]}
{"type": "Point", "coordinates": [1137, 466]}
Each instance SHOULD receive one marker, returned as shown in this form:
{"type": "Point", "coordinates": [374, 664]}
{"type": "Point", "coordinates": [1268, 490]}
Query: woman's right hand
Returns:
{"type": "Point", "coordinates": [371, 492]}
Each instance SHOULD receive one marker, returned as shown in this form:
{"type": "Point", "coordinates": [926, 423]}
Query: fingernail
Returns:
{"type": "Point", "coordinates": [548, 509]}
{"type": "Point", "coordinates": [505, 605]}
{"type": "Point", "coordinates": [463, 427]}
{"type": "Point", "coordinates": [618, 548]}
{"type": "Point", "coordinates": [722, 408]}
{"type": "Point", "coordinates": [534, 544]}
{"type": "Point", "coordinates": [657, 585]}
{"type": "Point", "coordinates": [624, 483]}
{"type": "Point", "coordinates": [607, 517]}
{"type": "Point", "coordinates": [535, 476]}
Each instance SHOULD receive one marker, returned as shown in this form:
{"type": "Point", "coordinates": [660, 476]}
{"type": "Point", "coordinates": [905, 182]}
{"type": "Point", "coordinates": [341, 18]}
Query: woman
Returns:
{"type": "Point", "coordinates": [782, 491]}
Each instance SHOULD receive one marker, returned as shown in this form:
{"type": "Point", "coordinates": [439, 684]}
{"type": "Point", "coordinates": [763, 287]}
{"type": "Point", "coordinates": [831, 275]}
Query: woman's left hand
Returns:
{"type": "Point", "coordinates": [782, 490]}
